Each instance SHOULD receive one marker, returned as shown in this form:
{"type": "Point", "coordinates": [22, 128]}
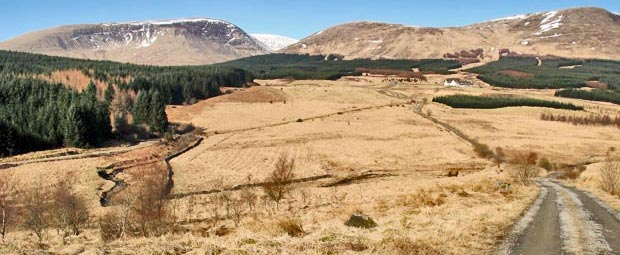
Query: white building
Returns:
{"type": "Point", "coordinates": [455, 82]}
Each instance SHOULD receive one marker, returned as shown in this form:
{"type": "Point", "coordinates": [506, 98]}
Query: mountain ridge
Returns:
{"type": "Point", "coordinates": [184, 41]}
{"type": "Point", "coordinates": [577, 32]}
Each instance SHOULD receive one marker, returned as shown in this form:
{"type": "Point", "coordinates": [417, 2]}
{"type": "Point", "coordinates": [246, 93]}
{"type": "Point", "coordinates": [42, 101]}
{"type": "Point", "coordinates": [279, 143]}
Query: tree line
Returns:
{"type": "Point", "coordinates": [492, 102]}
{"type": "Point", "coordinates": [177, 84]}
{"type": "Point", "coordinates": [593, 95]}
{"type": "Point", "coordinates": [591, 120]}
{"type": "Point", "coordinates": [36, 115]}
{"type": "Point", "coordinates": [329, 67]}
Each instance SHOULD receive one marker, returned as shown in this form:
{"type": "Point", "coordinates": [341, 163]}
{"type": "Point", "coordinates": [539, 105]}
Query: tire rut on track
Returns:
{"type": "Point", "coordinates": [564, 220]}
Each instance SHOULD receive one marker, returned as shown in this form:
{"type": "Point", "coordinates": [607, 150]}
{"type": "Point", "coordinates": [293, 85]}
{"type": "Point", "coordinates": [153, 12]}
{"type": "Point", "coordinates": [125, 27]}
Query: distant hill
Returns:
{"type": "Point", "coordinates": [574, 33]}
{"type": "Point", "coordinates": [168, 42]}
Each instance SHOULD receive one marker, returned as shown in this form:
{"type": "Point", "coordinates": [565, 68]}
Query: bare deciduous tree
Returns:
{"type": "Point", "coordinates": [68, 210]}
{"type": "Point", "coordinates": [35, 211]}
{"type": "Point", "coordinates": [525, 167]}
{"type": "Point", "coordinates": [7, 192]}
{"type": "Point", "coordinates": [249, 198]}
{"type": "Point", "coordinates": [278, 183]}
{"type": "Point", "coordinates": [236, 208]}
{"type": "Point", "coordinates": [150, 210]}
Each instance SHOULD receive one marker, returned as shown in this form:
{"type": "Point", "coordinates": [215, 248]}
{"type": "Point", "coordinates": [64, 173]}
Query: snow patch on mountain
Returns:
{"type": "Point", "coordinates": [274, 42]}
{"type": "Point", "coordinates": [548, 24]}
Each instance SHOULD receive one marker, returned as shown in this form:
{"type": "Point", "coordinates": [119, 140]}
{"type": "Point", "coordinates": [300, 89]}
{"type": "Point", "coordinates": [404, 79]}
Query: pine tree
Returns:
{"type": "Point", "coordinates": [74, 128]}
{"type": "Point", "coordinates": [7, 140]}
{"type": "Point", "coordinates": [109, 93]}
{"type": "Point", "coordinates": [141, 107]}
{"type": "Point", "coordinates": [91, 90]}
{"type": "Point", "coordinates": [158, 119]}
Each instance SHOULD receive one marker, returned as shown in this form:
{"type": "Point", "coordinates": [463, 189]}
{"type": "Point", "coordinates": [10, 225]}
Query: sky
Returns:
{"type": "Point", "coordinates": [293, 18]}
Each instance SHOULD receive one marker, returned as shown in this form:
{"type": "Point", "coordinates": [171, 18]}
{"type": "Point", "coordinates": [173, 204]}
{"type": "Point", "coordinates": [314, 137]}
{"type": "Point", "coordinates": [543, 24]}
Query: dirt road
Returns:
{"type": "Point", "coordinates": [564, 220]}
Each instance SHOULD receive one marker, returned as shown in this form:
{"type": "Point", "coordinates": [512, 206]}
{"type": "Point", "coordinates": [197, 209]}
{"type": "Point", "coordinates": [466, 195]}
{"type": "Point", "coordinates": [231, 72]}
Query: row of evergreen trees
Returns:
{"type": "Point", "coordinates": [593, 95]}
{"type": "Point", "coordinates": [492, 102]}
{"type": "Point", "coordinates": [37, 115]}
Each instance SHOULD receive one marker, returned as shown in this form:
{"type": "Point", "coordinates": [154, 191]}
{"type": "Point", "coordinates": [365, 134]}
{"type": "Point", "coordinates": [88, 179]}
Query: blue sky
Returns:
{"type": "Point", "coordinates": [291, 18]}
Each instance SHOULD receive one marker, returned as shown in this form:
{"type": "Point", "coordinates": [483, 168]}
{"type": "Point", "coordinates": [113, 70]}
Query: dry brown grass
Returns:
{"type": "Point", "coordinates": [291, 226]}
{"type": "Point", "coordinates": [416, 208]}
{"type": "Point", "coordinates": [610, 178]}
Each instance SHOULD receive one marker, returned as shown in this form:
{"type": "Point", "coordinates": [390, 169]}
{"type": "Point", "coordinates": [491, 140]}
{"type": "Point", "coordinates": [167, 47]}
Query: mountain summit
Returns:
{"type": "Point", "coordinates": [579, 32]}
{"type": "Point", "coordinates": [165, 42]}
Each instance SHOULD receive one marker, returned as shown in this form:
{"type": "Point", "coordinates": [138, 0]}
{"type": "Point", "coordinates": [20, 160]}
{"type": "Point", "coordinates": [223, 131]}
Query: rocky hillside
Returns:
{"type": "Point", "coordinates": [580, 33]}
{"type": "Point", "coordinates": [170, 42]}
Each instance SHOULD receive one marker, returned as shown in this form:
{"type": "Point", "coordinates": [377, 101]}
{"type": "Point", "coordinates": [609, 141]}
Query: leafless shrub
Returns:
{"type": "Point", "coordinates": [7, 200]}
{"type": "Point", "coordinates": [525, 168]}
{"type": "Point", "coordinates": [277, 185]}
{"type": "Point", "coordinates": [110, 227]}
{"type": "Point", "coordinates": [292, 226]}
{"type": "Point", "coordinates": [610, 178]}
{"type": "Point", "coordinates": [150, 212]}
{"type": "Point", "coordinates": [248, 197]}
{"type": "Point", "coordinates": [191, 202]}
{"type": "Point", "coordinates": [215, 201]}
{"type": "Point", "coordinates": [36, 209]}
{"type": "Point", "coordinates": [69, 211]}
{"type": "Point", "coordinates": [236, 208]}
{"type": "Point", "coordinates": [592, 120]}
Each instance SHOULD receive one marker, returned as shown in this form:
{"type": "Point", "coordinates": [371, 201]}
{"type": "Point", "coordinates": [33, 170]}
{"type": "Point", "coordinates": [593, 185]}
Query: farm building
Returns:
{"type": "Point", "coordinates": [455, 82]}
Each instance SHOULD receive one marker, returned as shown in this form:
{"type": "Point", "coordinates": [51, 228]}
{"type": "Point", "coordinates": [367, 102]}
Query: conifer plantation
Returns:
{"type": "Point", "coordinates": [36, 114]}
{"type": "Point", "coordinates": [493, 102]}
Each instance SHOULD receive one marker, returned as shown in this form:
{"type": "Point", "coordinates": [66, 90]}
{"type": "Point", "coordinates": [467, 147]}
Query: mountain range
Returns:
{"type": "Point", "coordinates": [166, 42]}
{"type": "Point", "coordinates": [576, 33]}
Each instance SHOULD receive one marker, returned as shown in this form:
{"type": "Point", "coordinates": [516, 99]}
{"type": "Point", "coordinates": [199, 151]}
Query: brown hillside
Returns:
{"type": "Point", "coordinates": [170, 42]}
{"type": "Point", "coordinates": [580, 33]}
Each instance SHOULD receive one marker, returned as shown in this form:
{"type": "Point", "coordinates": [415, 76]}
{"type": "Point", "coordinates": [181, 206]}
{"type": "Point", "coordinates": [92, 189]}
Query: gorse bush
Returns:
{"type": "Point", "coordinates": [492, 102]}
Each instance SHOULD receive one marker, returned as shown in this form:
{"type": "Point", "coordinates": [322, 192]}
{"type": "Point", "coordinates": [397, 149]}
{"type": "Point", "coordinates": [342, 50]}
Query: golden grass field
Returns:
{"type": "Point", "coordinates": [340, 129]}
